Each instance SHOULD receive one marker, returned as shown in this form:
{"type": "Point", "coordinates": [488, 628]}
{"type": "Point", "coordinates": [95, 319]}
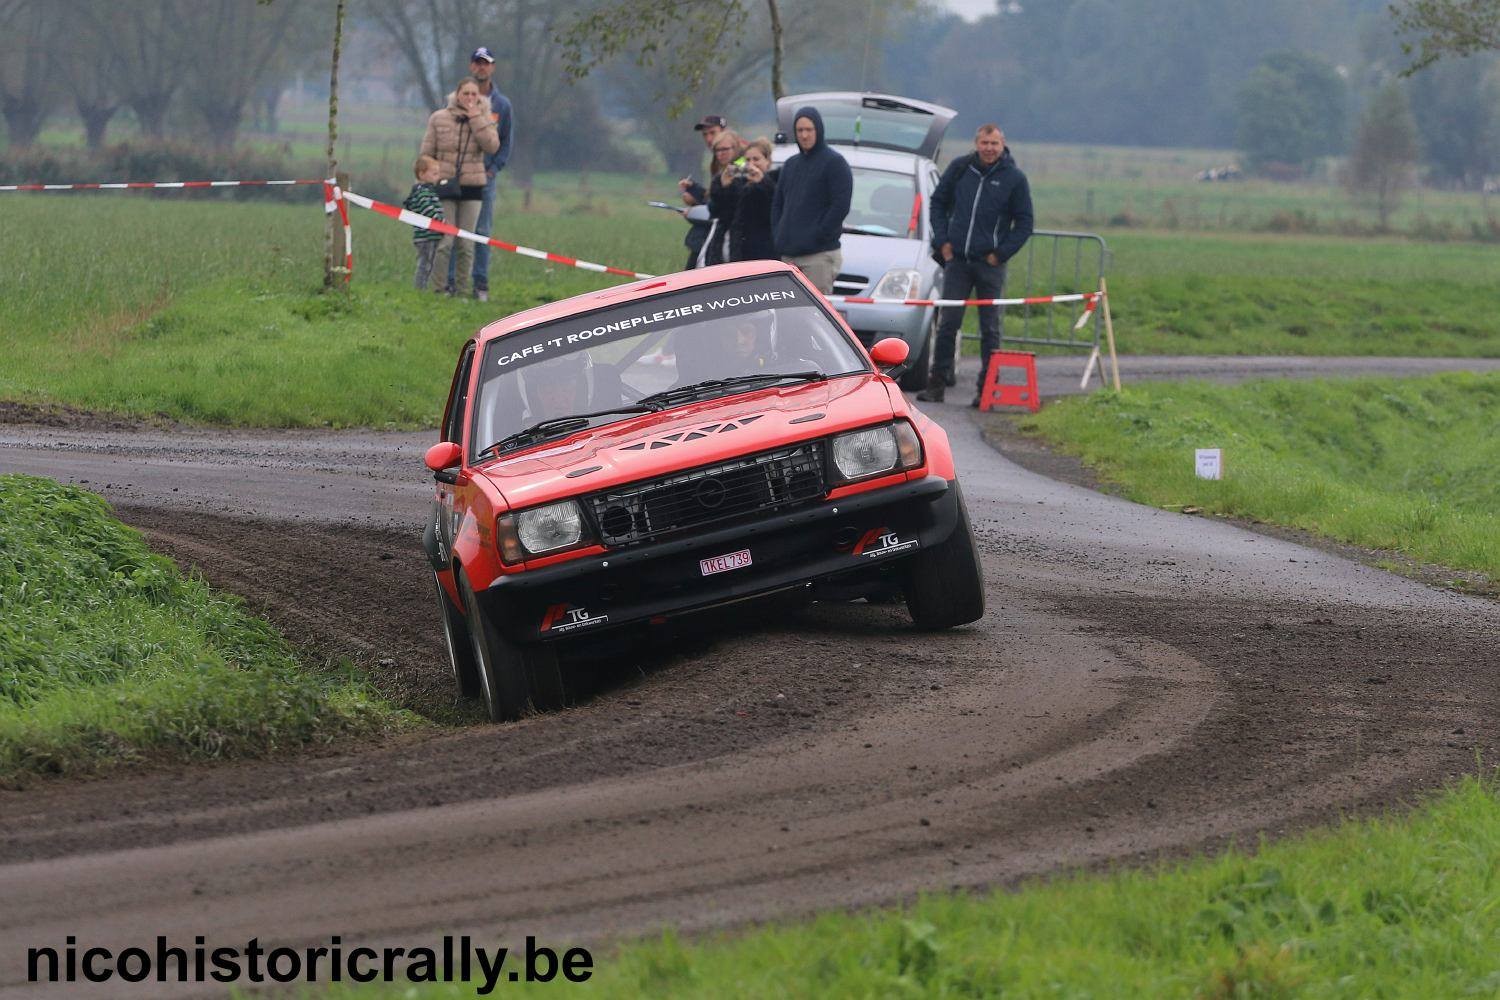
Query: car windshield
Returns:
{"type": "Point", "coordinates": [665, 348]}
{"type": "Point", "coordinates": [883, 202]}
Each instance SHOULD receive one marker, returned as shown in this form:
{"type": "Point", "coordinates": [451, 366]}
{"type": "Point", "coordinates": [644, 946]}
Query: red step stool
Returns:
{"type": "Point", "coordinates": [996, 393]}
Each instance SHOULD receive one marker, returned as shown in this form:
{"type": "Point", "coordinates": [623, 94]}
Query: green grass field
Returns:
{"type": "Point", "coordinates": [200, 309]}
{"type": "Point", "coordinates": [108, 654]}
{"type": "Point", "coordinates": [1382, 908]}
{"type": "Point", "coordinates": [1404, 465]}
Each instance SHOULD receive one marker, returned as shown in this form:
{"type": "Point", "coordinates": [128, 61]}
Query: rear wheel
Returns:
{"type": "Point", "coordinates": [511, 676]}
{"type": "Point", "coordinates": [914, 379]}
{"type": "Point", "coordinates": [944, 584]}
{"type": "Point", "coordinates": [456, 638]}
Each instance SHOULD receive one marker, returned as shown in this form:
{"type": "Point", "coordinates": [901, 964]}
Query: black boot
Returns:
{"type": "Point", "coordinates": [937, 386]}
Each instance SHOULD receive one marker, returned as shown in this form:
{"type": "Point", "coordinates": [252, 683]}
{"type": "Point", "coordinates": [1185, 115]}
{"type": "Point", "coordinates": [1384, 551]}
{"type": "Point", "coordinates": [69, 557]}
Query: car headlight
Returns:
{"type": "Point", "coordinates": [876, 450]}
{"type": "Point", "coordinates": [899, 283]}
{"type": "Point", "coordinates": [541, 530]}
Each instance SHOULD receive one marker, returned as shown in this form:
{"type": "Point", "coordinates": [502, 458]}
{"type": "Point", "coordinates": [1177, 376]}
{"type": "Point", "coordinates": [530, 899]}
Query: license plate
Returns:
{"type": "Point", "coordinates": [724, 563]}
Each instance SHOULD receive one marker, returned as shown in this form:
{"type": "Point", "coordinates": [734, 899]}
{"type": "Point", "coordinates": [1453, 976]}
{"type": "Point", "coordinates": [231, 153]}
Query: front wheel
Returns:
{"type": "Point", "coordinates": [460, 649]}
{"type": "Point", "coordinates": [944, 585]}
{"type": "Point", "coordinates": [511, 676]}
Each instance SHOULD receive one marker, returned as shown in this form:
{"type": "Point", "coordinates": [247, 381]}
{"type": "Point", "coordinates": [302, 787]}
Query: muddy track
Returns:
{"type": "Point", "coordinates": [1144, 683]}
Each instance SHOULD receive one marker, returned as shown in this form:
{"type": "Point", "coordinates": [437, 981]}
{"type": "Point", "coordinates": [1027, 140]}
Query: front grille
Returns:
{"type": "Point", "coordinates": [849, 284]}
{"type": "Point", "coordinates": [720, 492]}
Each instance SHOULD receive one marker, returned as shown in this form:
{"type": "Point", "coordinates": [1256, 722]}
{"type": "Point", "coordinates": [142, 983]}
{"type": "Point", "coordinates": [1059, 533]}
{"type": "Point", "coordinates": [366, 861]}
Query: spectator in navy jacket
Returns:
{"type": "Point", "coordinates": [981, 217]}
{"type": "Point", "coordinates": [811, 203]}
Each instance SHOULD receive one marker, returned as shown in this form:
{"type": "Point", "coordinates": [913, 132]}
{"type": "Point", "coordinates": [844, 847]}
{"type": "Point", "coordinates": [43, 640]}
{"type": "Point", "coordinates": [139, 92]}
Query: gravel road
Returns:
{"type": "Point", "coordinates": [1145, 683]}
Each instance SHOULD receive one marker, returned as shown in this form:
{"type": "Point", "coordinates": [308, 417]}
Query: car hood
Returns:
{"type": "Point", "coordinates": [686, 437]}
{"type": "Point", "coordinates": [872, 256]}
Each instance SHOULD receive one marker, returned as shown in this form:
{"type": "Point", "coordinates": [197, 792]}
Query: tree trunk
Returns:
{"type": "Point", "coordinates": [95, 121]}
{"type": "Point", "coordinates": [23, 122]}
{"type": "Point", "coordinates": [778, 91]}
{"type": "Point", "coordinates": [333, 227]}
{"type": "Point", "coordinates": [151, 112]}
{"type": "Point", "coordinates": [273, 106]}
{"type": "Point", "coordinates": [223, 123]}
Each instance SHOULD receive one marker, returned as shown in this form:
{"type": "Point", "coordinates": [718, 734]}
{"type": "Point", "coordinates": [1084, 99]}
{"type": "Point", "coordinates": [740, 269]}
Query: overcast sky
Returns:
{"type": "Point", "coordinates": [969, 10]}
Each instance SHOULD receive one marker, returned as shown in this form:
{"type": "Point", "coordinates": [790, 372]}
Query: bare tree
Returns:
{"type": "Point", "coordinates": [1447, 28]}
{"type": "Point", "coordinates": [234, 44]}
{"type": "Point", "coordinates": [150, 57]}
{"type": "Point", "coordinates": [94, 66]}
{"type": "Point", "coordinates": [1384, 156]}
{"type": "Point", "coordinates": [27, 76]}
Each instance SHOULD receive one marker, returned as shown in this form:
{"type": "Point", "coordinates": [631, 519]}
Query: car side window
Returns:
{"type": "Point", "coordinates": [458, 398]}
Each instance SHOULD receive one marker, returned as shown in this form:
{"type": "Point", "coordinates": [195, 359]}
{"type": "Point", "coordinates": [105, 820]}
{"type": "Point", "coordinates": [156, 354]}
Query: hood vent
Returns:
{"type": "Point", "coordinates": [695, 434]}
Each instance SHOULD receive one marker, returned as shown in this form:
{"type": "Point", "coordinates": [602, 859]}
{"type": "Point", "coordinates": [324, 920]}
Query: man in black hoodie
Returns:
{"type": "Point", "coordinates": [981, 217]}
{"type": "Point", "coordinates": [811, 202]}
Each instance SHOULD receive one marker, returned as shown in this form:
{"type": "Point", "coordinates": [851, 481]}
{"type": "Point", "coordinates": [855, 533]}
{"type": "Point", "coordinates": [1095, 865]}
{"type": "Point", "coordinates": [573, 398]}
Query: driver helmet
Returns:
{"type": "Point", "coordinates": [558, 386]}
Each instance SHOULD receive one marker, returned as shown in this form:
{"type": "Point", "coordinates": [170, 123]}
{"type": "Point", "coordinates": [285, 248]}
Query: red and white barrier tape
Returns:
{"type": "Point", "coordinates": [1090, 300]}
{"type": "Point", "coordinates": [141, 185]}
{"type": "Point", "coordinates": [439, 226]}
{"type": "Point", "coordinates": [335, 198]}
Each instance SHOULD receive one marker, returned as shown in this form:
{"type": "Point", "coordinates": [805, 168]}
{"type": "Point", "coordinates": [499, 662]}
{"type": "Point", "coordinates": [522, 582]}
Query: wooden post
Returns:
{"type": "Point", "coordinates": [330, 269]}
{"type": "Point", "coordinates": [1109, 332]}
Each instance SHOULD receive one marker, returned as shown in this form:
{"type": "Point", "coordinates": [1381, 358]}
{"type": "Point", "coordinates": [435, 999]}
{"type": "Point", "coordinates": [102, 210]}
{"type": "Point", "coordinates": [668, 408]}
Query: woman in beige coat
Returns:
{"type": "Point", "coordinates": [458, 137]}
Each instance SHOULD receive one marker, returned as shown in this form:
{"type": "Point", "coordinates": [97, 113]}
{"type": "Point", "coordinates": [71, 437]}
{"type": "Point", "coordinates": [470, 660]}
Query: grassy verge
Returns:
{"type": "Point", "coordinates": [1391, 908]}
{"type": "Point", "coordinates": [1403, 465]}
{"type": "Point", "coordinates": [109, 655]}
{"type": "Point", "coordinates": [210, 310]}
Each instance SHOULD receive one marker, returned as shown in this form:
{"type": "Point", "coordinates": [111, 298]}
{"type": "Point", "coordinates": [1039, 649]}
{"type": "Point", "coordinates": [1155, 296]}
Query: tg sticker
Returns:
{"type": "Point", "coordinates": [877, 543]}
{"type": "Point", "coordinates": [562, 618]}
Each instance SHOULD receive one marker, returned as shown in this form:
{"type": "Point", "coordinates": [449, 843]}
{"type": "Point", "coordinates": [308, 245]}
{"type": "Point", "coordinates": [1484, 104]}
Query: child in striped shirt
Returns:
{"type": "Point", "coordinates": [423, 200]}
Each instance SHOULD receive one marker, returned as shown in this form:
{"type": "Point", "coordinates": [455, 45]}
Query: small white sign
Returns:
{"type": "Point", "coordinates": [1209, 463]}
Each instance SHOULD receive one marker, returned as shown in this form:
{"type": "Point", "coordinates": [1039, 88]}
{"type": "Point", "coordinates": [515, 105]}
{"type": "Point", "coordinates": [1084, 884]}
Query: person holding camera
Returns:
{"type": "Point", "coordinates": [458, 137]}
{"type": "Point", "coordinates": [694, 193]}
{"type": "Point", "coordinates": [722, 197]}
{"type": "Point", "coordinates": [755, 187]}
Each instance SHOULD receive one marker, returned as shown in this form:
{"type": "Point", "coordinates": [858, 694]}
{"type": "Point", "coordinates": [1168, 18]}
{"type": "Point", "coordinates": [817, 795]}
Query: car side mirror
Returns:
{"type": "Point", "coordinates": [443, 458]}
{"type": "Point", "coordinates": [890, 356]}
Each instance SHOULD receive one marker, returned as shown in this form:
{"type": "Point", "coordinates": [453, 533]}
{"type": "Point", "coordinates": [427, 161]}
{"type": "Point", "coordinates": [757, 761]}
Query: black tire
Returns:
{"type": "Point", "coordinates": [945, 584]}
{"type": "Point", "coordinates": [544, 671]}
{"type": "Point", "coordinates": [914, 379]}
{"type": "Point", "coordinates": [460, 649]}
{"type": "Point", "coordinates": [508, 671]}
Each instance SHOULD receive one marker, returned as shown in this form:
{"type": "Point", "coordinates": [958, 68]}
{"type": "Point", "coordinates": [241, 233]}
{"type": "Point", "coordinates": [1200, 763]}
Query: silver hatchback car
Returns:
{"type": "Point", "coordinates": [890, 143]}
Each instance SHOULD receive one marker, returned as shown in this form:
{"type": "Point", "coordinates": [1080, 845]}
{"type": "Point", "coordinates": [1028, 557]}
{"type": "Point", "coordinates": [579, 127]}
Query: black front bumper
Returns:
{"type": "Point", "coordinates": [843, 538]}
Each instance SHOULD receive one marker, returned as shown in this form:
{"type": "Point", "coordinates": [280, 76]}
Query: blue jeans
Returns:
{"type": "Point", "coordinates": [483, 226]}
{"type": "Point", "coordinates": [426, 254]}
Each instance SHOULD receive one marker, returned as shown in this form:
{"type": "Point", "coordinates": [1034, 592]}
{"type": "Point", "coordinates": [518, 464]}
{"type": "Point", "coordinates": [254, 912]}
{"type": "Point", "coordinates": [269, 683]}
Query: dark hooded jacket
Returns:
{"type": "Point", "coordinates": [982, 210]}
{"type": "Point", "coordinates": [812, 197]}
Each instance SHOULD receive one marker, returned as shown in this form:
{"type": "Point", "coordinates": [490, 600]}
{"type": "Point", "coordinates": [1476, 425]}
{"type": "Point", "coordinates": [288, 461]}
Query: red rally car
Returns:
{"type": "Point", "coordinates": [625, 456]}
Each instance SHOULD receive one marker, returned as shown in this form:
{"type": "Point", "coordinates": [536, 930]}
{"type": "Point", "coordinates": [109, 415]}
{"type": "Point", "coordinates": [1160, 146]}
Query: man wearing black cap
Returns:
{"type": "Point", "coordinates": [482, 68]}
{"type": "Point", "coordinates": [694, 193]}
